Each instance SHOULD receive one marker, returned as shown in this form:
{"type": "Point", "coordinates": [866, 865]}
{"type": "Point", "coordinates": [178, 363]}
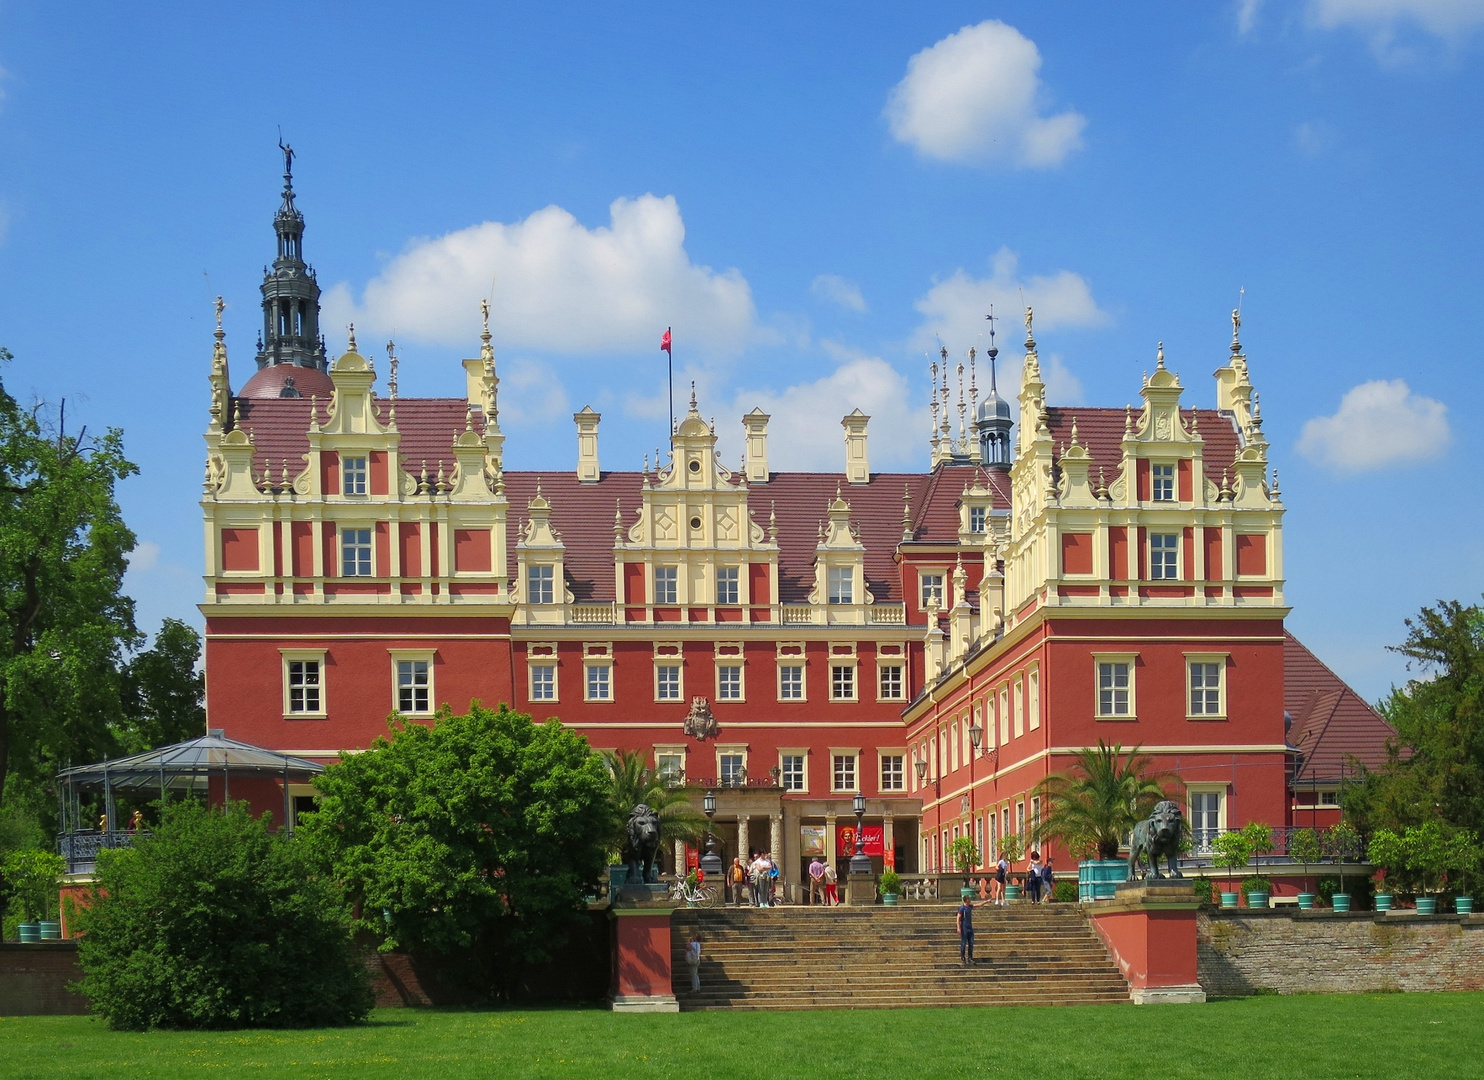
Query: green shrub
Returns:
{"type": "Point", "coordinates": [1257, 883]}
{"type": "Point", "coordinates": [890, 882]}
{"type": "Point", "coordinates": [216, 922]}
{"type": "Point", "coordinates": [1065, 892]}
{"type": "Point", "coordinates": [1203, 890]}
{"type": "Point", "coordinates": [28, 883]}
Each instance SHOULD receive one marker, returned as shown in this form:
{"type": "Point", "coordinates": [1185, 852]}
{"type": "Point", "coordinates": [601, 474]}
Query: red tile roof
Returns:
{"type": "Point", "coordinates": [1101, 431]}
{"type": "Point", "coordinates": [1332, 724]}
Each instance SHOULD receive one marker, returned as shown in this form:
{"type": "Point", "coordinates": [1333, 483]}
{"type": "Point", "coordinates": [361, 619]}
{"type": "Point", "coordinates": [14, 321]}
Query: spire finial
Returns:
{"type": "Point", "coordinates": [1236, 345]}
{"type": "Point", "coordinates": [288, 165]}
{"type": "Point", "coordinates": [693, 394]}
{"type": "Point", "coordinates": [1159, 357]}
{"type": "Point", "coordinates": [391, 364]}
{"type": "Point", "coordinates": [993, 352]}
{"type": "Point", "coordinates": [220, 306]}
{"type": "Point", "coordinates": [1030, 338]}
{"type": "Point", "coordinates": [351, 333]}
{"type": "Point", "coordinates": [1128, 421]}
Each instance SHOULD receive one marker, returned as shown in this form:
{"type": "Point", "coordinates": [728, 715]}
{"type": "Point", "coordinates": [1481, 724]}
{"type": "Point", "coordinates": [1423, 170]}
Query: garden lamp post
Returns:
{"type": "Point", "coordinates": [976, 735]}
{"type": "Point", "coordinates": [860, 862]}
{"type": "Point", "coordinates": [921, 766]}
{"type": "Point", "coordinates": [711, 861]}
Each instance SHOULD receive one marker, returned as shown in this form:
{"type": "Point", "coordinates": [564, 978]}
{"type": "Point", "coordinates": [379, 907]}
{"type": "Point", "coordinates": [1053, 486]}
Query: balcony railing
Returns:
{"type": "Point", "coordinates": [594, 614]}
{"type": "Point", "coordinates": [1204, 840]}
{"type": "Point", "coordinates": [80, 849]}
{"type": "Point", "coordinates": [889, 614]}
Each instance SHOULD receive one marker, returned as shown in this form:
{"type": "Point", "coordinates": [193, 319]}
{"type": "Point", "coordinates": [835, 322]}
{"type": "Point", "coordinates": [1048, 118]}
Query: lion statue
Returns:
{"type": "Point", "coordinates": [642, 844]}
{"type": "Point", "coordinates": [1157, 838]}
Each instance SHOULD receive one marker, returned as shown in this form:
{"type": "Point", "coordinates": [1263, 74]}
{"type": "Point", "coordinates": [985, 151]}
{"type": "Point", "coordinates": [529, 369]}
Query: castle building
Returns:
{"type": "Point", "coordinates": [936, 642]}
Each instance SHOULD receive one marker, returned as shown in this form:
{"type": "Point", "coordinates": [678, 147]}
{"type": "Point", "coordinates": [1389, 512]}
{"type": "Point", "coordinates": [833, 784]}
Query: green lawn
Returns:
{"type": "Point", "coordinates": [1295, 1038]}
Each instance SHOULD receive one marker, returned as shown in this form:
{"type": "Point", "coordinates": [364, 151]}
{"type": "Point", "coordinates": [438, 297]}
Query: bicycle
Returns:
{"type": "Point", "coordinates": [700, 894]}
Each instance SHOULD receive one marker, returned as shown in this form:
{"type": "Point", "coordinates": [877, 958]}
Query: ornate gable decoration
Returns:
{"type": "Point", "coordinates": [699, 722]}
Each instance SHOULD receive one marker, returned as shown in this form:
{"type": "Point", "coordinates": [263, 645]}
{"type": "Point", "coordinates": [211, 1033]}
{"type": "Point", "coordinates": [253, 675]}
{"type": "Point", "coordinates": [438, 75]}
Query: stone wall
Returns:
{"type": "Point", "coordinates": [34, 978]}
{"type": "Point", "coordinates": [1292, 951]}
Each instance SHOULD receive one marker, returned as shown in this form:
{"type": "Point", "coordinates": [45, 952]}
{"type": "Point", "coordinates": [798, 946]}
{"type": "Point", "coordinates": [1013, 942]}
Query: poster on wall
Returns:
{"type": "Point", "coordinates": [811, 840]}
{"type": "Point", "coordinates": [845, 836]}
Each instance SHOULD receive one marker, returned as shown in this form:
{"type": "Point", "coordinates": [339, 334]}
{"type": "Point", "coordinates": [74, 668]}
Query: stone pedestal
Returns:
{"type": "Point", "coordinates": [641, 970]}
{"type": "Point", "coordinates": [860, 890]}
{"type": "Point", "coordinates": [1149, 928]}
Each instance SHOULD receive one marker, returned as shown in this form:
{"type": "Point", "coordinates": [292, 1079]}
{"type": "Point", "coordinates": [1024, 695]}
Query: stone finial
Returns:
{"type": "Point", "coordinates": [1159, 357]}
{"type": "Point", "coordinates": [351, 334]}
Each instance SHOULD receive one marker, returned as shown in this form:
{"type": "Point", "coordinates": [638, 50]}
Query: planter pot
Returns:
{"type": "Point", "coordinates": [1306, 901]}
{"type": "Point", "coordinates": [51, 930]}
{"type": "Point", "coordinates": [1229, 901]}
{"type": "Point", "coordinates": [30, 932]}
{"type": "Point", "coordinates": [1383, 901]}
{"type": "Point", "coordinates": [1098, 878]}
{"type": "Point", "coordinates": [1464, 905]}
{"type": "Point", "coordinates": [1341, 901]}
{"type": "Point", "coordinates": [1427, 905]}
{"type": "Point", "coordinates": [1012, 892]}
{"type": "Point", "coordinates": [889, 899]}
{"type": "Point", "coordinates": [1257, 900]}
{"type": "Point", "coordinates": [966, 892]}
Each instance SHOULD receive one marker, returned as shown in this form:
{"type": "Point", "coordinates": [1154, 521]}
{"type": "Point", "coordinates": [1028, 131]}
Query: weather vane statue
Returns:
{"type": "Point", "coordinates": [288, 157]}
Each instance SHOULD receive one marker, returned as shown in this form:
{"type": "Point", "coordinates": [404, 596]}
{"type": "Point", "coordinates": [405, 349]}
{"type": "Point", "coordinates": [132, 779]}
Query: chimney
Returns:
{"type": "Point", "coordinates": [755, 424]}
{"type": "Point", "coordinates": [587, 445]}
{"type": "Point", "coordinates": [857, 465]}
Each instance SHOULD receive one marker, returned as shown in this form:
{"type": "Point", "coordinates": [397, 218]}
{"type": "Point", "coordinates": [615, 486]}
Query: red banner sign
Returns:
{"type": "Point", "coordinates": [845, 838]}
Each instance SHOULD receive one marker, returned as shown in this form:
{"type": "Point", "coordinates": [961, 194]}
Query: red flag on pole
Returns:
{"type": "Point", "coordinates": [665, 342]}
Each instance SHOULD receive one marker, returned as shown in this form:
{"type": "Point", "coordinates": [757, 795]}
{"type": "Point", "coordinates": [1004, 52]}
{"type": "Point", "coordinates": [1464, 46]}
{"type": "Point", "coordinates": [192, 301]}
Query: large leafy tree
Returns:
{"type": "Point", "coordinates": [476, 836]}
{"type": "Point", "coordinates": [64, 623]}
{"type": "Point", "coordinates": [163, 690]}
{"type": "Point", "coordinates": [219, 921]}
{"type": "Point", "coordinates": [1095, 804]}
{"type": "Point", "coordinates": [636, 781]}
{"type": "Point", "coordinates": [1435, 764]}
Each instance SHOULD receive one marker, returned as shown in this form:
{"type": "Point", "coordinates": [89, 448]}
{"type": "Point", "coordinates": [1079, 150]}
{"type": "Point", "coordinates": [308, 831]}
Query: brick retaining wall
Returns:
{"type": "Point", "coordinates": [34, 978]}
{"type": "Point", "coordinates": [1293, 951]}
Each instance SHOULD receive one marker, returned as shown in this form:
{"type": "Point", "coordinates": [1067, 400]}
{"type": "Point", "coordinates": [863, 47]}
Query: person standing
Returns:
{"type": "Point", "coordinates": [736, 878]}
{"type": "Point", "coordinates": [1001, 876]}
{"type": "Point", "coordinates": [816, 881]}
{"type": "Point", "coordinates": [764, 879]}
{"type": "Point", "coordinates": [831, 887]}
{"type": "Point", "coordinates": [693, 961]}
{"type": "Point", "coordinates": [965, 925]}
{"type": "Point", "coordinates": [1048, 882]}
{"type": "Point", "coordinates": [1033, 879]}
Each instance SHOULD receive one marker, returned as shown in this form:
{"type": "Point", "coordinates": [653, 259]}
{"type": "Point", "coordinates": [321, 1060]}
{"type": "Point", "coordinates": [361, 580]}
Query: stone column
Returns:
{"type": "Point", "coordinates": [888, 843]}
{"type": "Point", "coordinates": [775, 850]}
{"type": "Point", "coordinates": [830, 853]}
{"type": "Point", "coordinates": [743, 845]}
{"type": "Point", "coordinates": [680, 858]}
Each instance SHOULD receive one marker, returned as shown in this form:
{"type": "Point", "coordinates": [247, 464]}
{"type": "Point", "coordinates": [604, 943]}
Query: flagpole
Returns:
{"type": "Point", "coordinates": [670, 366]}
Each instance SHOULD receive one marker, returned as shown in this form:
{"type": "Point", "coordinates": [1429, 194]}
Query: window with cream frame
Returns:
{"type": "Point", "coordinates": [669, 671]}
{"type": "Point", "coordinates": [731, 765]}
{"type": "Point", "coordinates": [892, 771]}
{"type": "Point", "coordinates": [541, 671]}
{"type": "Point", "coordinates": [303, 683]}
{"type": "Point", "coordinates": [669, 763]}
{"type": "Point", "coordinates": [597, 671]}
{"type": "Point", "coordinates": [891, 667]}
{"type": "Point", "coordinates": [793, 769]}
{"type": "Point", "coordinates": [1114, 686]}
{"type": "Point", "coordinates": [1033, 697]}
{"type": "Point", "coordinates": [1205, 686]}
{"type": "Point", "coordinates": [845, 769]}
{"type": "Point", "coordinates": [412, 681]}
{"type": "Point", "coordinates": [729, 672]}
{"type": "Point", "coordinates": [793, 683]}
{"type": "Point", "coordinates": [930, 590]}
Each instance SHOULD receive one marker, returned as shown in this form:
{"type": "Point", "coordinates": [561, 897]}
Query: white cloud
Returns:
{"type": "Point", "coordinates": [1384, 22]}
{"type": "Point", "coordinates": [1247, 15]}
{"type": "Point", "coordinates": [1379, 423]}
{"type": "Point", "coordinates": [805, 432]}
{"type": "Point", "coordinates": [145, 556]}
{"type": "Point", "coordinates": [953, 310]}
{"type": "Point", "coordinates": [975, 97]}
{"type": "Point", "coordinates": [531, 393]}
{"type": "Point", "coordinates": [559, 286]}
{"type": "Point", "coordinates": [839, 290]}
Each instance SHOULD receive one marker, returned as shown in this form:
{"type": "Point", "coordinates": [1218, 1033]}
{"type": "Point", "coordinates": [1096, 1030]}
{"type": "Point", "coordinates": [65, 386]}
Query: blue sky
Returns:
{"type": "Point", "coordinates": [809, 194]}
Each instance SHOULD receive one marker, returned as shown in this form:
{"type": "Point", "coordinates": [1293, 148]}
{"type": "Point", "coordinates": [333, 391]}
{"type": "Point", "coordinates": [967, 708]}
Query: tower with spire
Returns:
{"type": "Point", "coordinates": [290, 339]}
{"type": "Point", "coordinates": [994, 421]}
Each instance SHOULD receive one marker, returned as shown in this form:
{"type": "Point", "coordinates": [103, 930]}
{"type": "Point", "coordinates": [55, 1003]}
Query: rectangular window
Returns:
{"type": "Point", "coordinates": [889, 678]}
{"type": "Point", "coordinates": [1033, 699]}
{"type": "Point", "coordinates": [1004, 715]}
{"type": "Point", "coordinates": [1113, 689]}
{"type": "Point", "coordinates": [670, 768]}
{"type": "Point", "coordinates": [666, 584]}
{"type": "Point", "coordinates": [1205, 819]}
{"type": "Point", "coordinates": [791, 682]}
{"type": "Point", "coordinates": [539, 584]}
{"type": "Point", "coordinates": [353, 475]}
{"type": "Point", "coordinates": [729, 682]}
{"type": "Point", "coordinates": [733, 771]}
{"type": "Point", "coordinates": [412, 686]}
{"type": "Point", "coordinates": [1164, 557]}
{"type": "Point", "coordinates": [842, 584]}
{"type": "Point", "coordinates": [977, 517]}
{"type": "Point", "coordinates": [667, 682]}
{"type": "Point", "coordinates": [1329, 798]}
{"type": "Point", "coordinates": [844, 772]}
{"type": "Point", "coordinates": [1017, 703]}
{"type": "Point", "coordinates": [932, 592]}
{"type": "Point", "coordinates": [1164, 483]}
{"type": "Point", "coordinates": [304, 686]}
{"type": "Point", "coordinates": [842, 682]}
{"type": "Point", "coordinates": [893, 776]}
{"type": "Point", "coordinates": [355, 552]}
{"type": "Point", "coordinates": [1205, 689]}
{"type": "Point", "coordinates": [726, 585]}
{"type": "Point", "coordinates": [543, 682]}
{"type": "Point", "coordinates": [599, 682]}
{"type": "Point", "coordinates": [793, 772]}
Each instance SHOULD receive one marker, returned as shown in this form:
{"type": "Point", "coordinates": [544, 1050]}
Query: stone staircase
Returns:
{"type": "Point", "coordinates": [891, 957]}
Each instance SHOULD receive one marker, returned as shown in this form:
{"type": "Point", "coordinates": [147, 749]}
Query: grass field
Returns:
{"type": "Point", "coordinates": [1293, 1038]}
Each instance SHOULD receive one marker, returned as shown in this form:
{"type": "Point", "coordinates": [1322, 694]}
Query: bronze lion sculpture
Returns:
{"type": "Point", "coordinates": [1157, 838]}
{"type": "Point", "coordinates": [642, 844]}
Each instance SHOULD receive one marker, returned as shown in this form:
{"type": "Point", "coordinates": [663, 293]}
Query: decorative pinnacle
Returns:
{"type": "Point", "coordinates": [1236, 345]}
{"type": "Point", "coordinates": [1128, 421]}
{"type": "Point", "coordinates": [351, 333]}
{"type": "Point", "coordinates": [693, 395]}
{"type": "Point", "coordinates": [220, 307]}
{"type": "Point", "coordinates": [1074, 432]}
{"type": "Point", "coordinates": [1030, 340]}
{"type": "Point", "coordinates": [391, 363]}
{"type": "Point", "coordinates": [1159, 357]}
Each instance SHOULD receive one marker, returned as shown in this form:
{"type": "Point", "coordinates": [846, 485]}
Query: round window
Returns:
{"type": "Point", "coordinates": [695, 523]}
{"type": "Point", "coordinates": [695, 466]}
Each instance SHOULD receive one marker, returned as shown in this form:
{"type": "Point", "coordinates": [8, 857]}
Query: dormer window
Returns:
{"type": "Point", "coordinates": [1164, 483]}
{"type": "Point", "coordinates": [842, 585]}
{"type": "Point", "coordinates": [539, 582]}
{"type": "Point", "coordinates": [978, 515]}
{"type": "Point", "coordinates": [353, 476]}
{"type": "Point", "coordinates": [932, 592]}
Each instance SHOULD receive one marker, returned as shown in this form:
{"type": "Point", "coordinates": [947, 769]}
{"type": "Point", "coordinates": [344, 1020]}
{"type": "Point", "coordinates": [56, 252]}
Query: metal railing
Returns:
{"type": "Point", "coordinates": [80, 849]}
{"type": "Point", "coordinates": [1204, 840]}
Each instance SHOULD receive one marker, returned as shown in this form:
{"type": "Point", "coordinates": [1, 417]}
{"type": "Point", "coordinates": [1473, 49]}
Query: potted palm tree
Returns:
{"type": "Point", "coordinates": [1303, 848]}
{"type": "Point", "coordinates": [965, 855]}
{"type": "Point", "coordinates": [634, 782]}
{"type": "Point", "coordinates": [1094, 805]}
{"type": "Point", "coordinates": [1011, 849]}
